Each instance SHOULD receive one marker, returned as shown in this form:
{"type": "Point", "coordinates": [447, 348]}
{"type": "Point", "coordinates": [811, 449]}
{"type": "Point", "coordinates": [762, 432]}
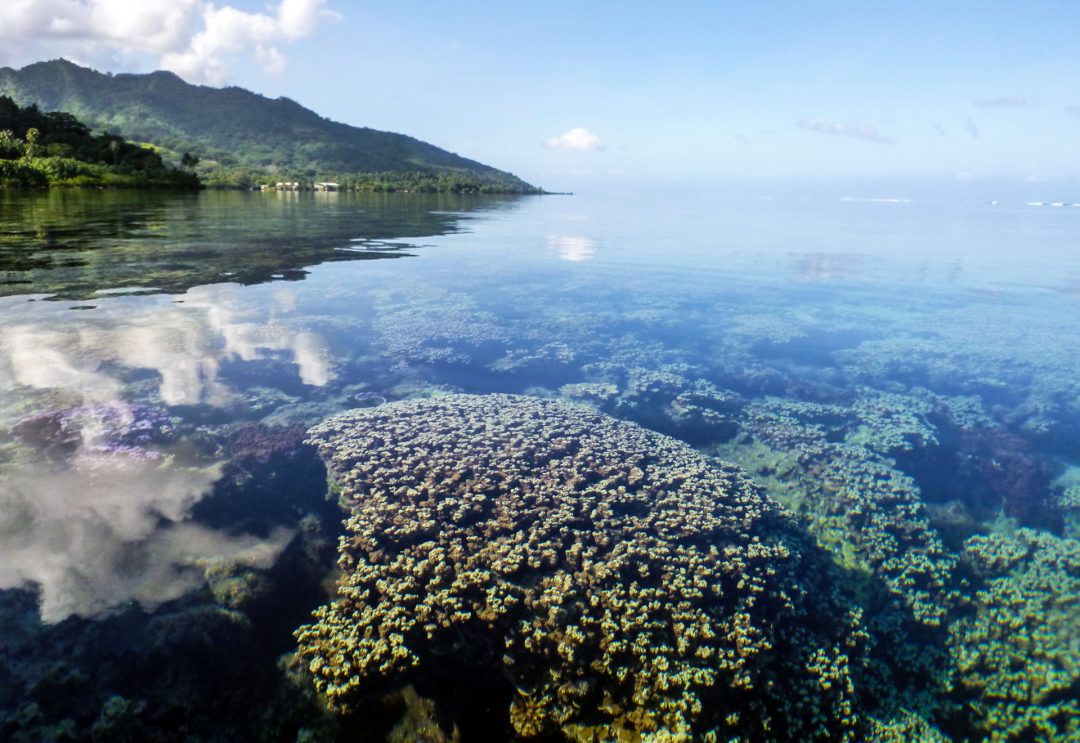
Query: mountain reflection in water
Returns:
{"type": "Point", "coordinates": [72, 244]}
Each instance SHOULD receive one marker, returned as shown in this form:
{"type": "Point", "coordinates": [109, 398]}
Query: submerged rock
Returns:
{"type": "Point", "coordinates": [595, 578]}
{"type": "Point", "coordinates": [105, 429]}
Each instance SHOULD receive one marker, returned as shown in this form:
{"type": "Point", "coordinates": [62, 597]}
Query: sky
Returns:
{"type": "Point", "coordinates": [570, 93]}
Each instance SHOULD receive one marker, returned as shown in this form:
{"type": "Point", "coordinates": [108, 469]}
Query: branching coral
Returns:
{"type": "Point", "coordinates": [613, 580]}
{"type": "Point", "coordinates": [890, 423]}
{"type": "Point", "coordinates": [870, 517]}
{"type": "Point", "coordinates": [665, 400]}
{"type": "Point", "coordinates": [1017, 658]}
{"type": "Point", "coordinates": [878, 507]}
{"type": "Point", "coordinates": [445, 328]}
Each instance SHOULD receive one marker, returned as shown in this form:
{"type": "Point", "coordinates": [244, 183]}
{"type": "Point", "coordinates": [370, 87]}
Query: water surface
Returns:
{"type": "Point", "coordinates": [160, 356]}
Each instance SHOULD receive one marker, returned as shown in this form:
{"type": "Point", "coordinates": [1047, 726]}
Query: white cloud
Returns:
{"type": "Point", "coordinates": [838, 129]}
{"type": "Point", "coordinates": [578, 138]}
{"type": "Point", "coordinates": [197, 40]}
{"type": "Point", "coordinates": [272, 60]}
{"type": "Point", "coordinates": [298, 18]}
{"type": "Point", "coordinates": [157, 27]}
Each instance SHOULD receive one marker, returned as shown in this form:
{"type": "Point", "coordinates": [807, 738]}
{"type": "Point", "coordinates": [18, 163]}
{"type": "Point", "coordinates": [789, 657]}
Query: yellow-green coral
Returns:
{"type": "Point", "coordinates": [861, 507]}
{"type": "Point", "coordinates": [614, 581]}
{"type": "Point", "coordinates": [1017, 658]}
{"type": "Point", "coordinates": [905, 727]}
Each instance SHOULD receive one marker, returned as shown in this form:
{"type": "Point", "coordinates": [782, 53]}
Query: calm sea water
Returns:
{"type": "Point", "coordinates": [162, 532]}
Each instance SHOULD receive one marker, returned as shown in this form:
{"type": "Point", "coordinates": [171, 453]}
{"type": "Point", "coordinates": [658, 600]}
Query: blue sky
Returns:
{"type": "Point", "coordinates": [566, 93]}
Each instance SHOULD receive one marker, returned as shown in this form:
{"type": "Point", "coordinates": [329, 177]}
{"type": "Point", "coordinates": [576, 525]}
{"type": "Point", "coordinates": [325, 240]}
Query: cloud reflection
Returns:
{"type": "Point", "coordinates": [825, 267]}
{"type": "Point", "coordinates": [573, 247]}
{"type": "Point", "coordinates": [110, 529]}
{"type": "Point", "coordinates": [95, 524]}
{"type": "Point", "coordinates": [184, 344]}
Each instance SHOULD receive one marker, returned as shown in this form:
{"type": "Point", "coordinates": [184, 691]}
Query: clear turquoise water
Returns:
{"type": "Point", "coordinates": [140, 332]}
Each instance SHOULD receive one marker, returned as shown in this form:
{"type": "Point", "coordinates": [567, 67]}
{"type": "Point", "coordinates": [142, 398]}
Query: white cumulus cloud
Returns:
{"type": "Point", "coordinates": [577, 138]}
{"type": "Point", "coordinates": [272, 60]}
{"type": "Point", "coordinates": [198, 40]}
{"type": "Point", "coordinates": [141, 26]}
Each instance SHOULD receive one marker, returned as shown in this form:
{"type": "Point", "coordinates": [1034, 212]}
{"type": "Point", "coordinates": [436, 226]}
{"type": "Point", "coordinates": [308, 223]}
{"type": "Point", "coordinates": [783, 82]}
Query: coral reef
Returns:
{"type": "Point", "coordinates": [871, 519]}
{"type": "Point", "coordinates": [624, 584]}
{"type": "Point", "coordinates": [1016, 656]}
{"type": "Point", "coordinates": [418, 723]}
{"type": "Point", "coordinates": [1012, 663]}
{"type": "Point", "coordinates": [906, 727]}
{"type": "Point", "coordinates": [666, 399]}
{"type": "Point", "coordinates": [543, 358]}
{"type": "Point", "coordinates": [445, 328]}
{"type": "Point", "coordinates": [271, 480]}
{"type": "Point", "coordinates": [1068, 502]}
{"type": "Point", "coordinates": [876, 509]}
{"type": "Point", "coordinates": [926, 435]}
{"type": "Point", "coordinates": [260, 443]}
{"type": "Point", "coordinates": [602, 395]}
{"type": "Point", "coordinates": [1022, 369]}
{"type": "Point", "coordinates": [890, 423]}
{"type": "Point", "coordinates": [263, 400]}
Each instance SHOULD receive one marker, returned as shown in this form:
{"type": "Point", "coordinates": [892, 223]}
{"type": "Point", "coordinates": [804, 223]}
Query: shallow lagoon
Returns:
{"type": "Point", "coordinates": [900, 375]}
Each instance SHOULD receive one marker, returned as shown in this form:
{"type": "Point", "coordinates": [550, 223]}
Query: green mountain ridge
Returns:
{"type": "Point", "coordinates": [242, 138]}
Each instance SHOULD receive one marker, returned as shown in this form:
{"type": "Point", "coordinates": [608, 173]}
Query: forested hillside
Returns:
{"type": "Point", "coordinates": [243, 139]}
{"type": "Point", "coordinates": [40, 149]}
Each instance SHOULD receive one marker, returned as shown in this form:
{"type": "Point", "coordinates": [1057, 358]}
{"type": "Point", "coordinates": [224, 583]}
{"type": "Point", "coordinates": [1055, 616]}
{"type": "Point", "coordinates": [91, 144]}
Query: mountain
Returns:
{"type": "Point", "coordinates": [240, 137]}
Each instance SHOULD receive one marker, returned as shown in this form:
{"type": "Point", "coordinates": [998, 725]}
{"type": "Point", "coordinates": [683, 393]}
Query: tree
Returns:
{"type": "Point", "coordinates": [10, 145]}
{"type": "Point", "coordinates": [38, 149]}
{"type": "Point", "coordinates": [189, 161]}
{"type": "Point", "coordinates": [32, 136]}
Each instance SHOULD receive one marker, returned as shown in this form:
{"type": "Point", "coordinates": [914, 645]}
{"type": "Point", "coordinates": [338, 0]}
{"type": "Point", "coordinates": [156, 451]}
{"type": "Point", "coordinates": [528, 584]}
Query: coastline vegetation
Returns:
{"type": "Point", "coordinates": [246, 141]}
{"type": "Point", "coordinates": [389, 181]}
{"type": "Point", "coordinates": [43, 149]}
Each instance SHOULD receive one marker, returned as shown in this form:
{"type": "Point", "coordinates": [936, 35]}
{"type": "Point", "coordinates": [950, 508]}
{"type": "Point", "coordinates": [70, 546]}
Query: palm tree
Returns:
{"type": "Point", "coordinates": [10, 145]}
{"type": "Point", "coordinates": [30, 149]}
